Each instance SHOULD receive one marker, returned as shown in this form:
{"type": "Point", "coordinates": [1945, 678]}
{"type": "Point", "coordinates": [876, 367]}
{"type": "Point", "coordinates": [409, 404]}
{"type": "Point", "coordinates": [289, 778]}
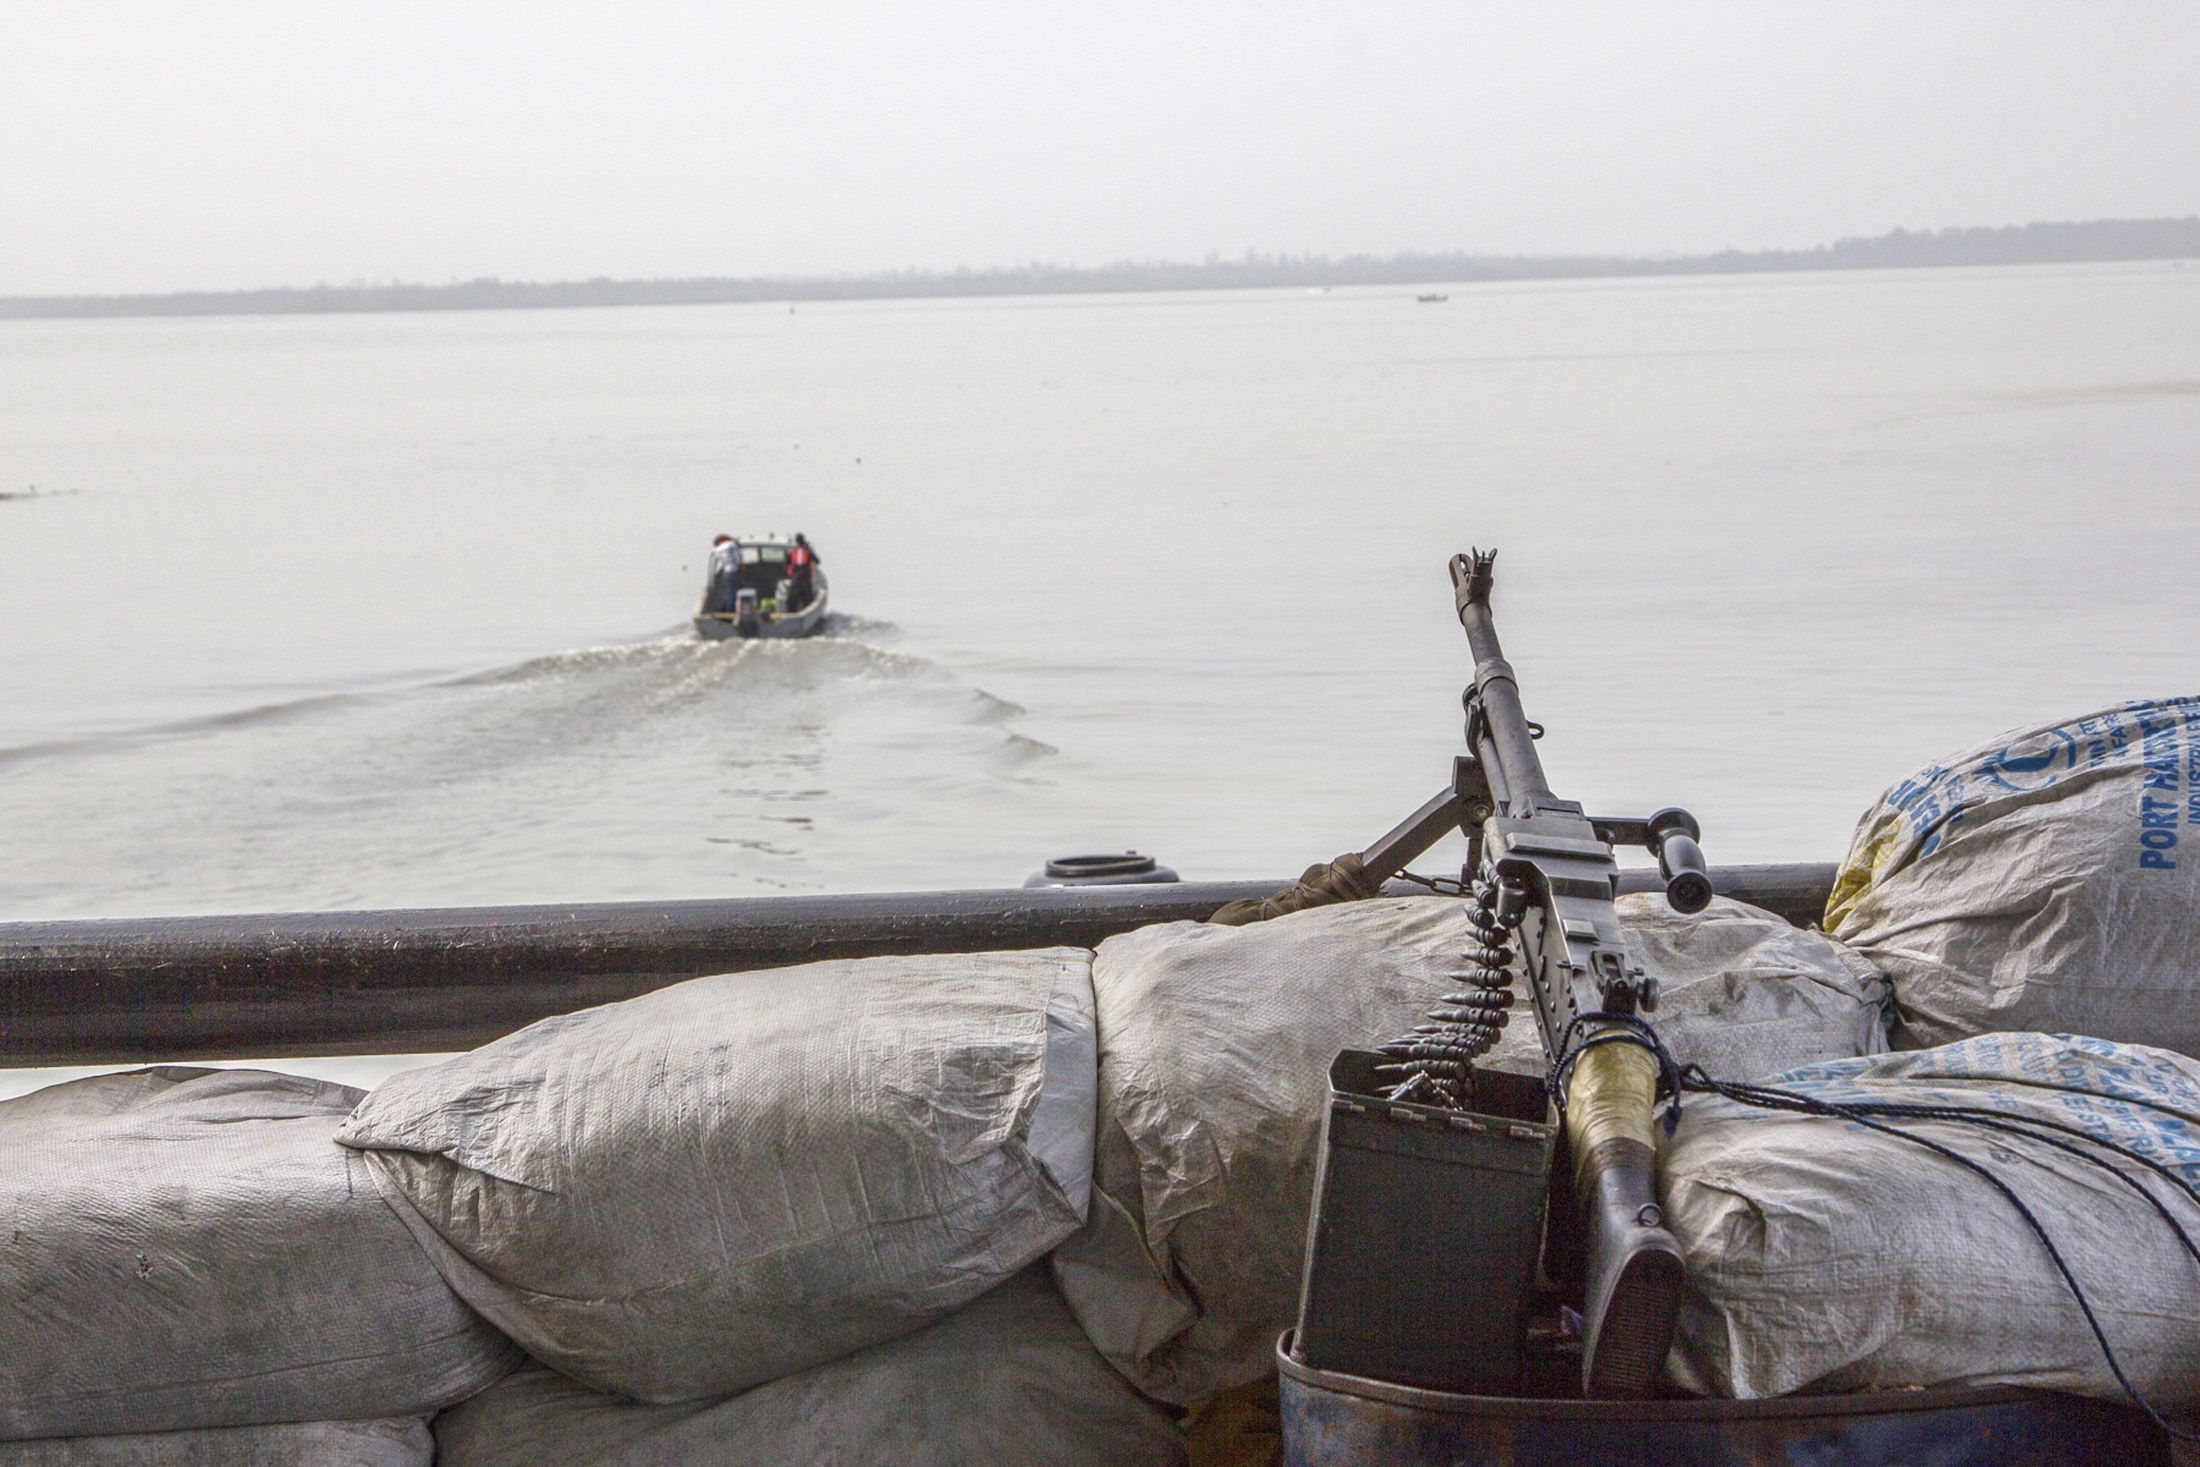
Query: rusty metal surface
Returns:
{"type": "Point", "coordinates": [238, 987]}
{"type": "Point", "coordinates": [1330, 1420]}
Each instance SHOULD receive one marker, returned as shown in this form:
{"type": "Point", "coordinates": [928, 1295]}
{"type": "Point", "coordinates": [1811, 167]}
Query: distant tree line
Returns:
{"type": "Point", "coordinates": [2016, 244]}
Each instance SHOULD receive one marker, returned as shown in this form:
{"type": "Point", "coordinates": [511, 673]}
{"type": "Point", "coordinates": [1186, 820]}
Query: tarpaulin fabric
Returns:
{"type": "Point", "coordinates": [2047, 880]}
{"type": "Point", "coordinates": [185, 1248]}
{"type": "Point", "coordinates": [401, 1443]}
{"type": "Point", "coordinates": [1006, 1379]}
{"type": "Point", "coordinates": [1826, 1256]}
{"type": "Point", "coordinates": [734, 1178]}
{"type": "Point", "coordinates": [1215, 1046]}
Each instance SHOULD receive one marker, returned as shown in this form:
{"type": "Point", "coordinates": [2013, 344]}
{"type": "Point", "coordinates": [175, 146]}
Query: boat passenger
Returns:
{"type": "Point", "coordinates": [801, 571]}
{"type": "Point", "coordinates": [725, 575]}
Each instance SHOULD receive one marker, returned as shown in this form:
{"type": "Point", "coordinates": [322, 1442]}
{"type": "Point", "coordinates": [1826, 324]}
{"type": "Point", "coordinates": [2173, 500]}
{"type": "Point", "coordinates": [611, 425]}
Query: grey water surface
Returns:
{"type": "Point", "coordinates": [389, 610]}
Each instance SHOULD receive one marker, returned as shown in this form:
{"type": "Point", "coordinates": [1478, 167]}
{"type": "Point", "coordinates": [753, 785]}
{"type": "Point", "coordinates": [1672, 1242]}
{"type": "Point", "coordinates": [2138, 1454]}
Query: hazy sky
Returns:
{"type": "Point", "coordinates": [204, 145]}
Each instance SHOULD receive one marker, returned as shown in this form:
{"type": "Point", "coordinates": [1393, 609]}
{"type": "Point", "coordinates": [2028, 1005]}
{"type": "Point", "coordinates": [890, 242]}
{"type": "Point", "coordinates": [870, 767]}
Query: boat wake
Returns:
{"type": "Point", "coordinates": [182, 728]}
{"type": "Point", "coordinates": [663, 767]}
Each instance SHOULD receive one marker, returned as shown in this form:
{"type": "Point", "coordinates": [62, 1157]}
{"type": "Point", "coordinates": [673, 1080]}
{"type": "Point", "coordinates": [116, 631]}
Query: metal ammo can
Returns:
{"type": "Point", "coordinates": [1421, 1252]}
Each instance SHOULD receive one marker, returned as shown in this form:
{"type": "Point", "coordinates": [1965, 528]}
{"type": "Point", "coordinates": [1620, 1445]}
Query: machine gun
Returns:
{"type": "Point", "coordinates": [1541, 879]}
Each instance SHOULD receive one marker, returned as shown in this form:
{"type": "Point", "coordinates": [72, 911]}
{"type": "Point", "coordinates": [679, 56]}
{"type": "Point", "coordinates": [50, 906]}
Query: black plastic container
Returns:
{"type": "Point", "coordinates": [1421, 1256]}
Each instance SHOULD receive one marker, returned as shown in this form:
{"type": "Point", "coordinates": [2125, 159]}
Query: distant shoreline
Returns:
{"type": "Point", "coordinates": [2018, 244]}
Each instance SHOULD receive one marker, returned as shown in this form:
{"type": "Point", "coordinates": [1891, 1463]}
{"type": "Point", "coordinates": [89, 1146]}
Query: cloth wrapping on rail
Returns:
{"type": "Point", "coordinates": [1341, 880]}
{"type": "Point", "coordinates": [184, 1248]}
{"type": "Point", "coordinates": [2046, 880]}
{"type": "Point", "coordinates": [737, 1177]}
{"type": "Point", "coordinates": [1825, 1256]}
{"type": "Point", "coordinates": [1006, 1379]}
{"type": "Point", "coordinates": [399, 1443]}
{"type": "Point", "coordinates": [1215, 1044]}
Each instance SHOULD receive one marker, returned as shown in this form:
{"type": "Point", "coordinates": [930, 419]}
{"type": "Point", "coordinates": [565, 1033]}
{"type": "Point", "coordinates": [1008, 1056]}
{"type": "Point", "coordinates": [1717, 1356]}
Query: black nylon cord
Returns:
{"type": "Point", "coordinates": [2016, 1127]}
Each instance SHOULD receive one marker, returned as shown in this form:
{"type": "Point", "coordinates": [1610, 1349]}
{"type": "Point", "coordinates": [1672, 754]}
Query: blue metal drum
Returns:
{"type": "Point", "coordinates": [1331, 1420]}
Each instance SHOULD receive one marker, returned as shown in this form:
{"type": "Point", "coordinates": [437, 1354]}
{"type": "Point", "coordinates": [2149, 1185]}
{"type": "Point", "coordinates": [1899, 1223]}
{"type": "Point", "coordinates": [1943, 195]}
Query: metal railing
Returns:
{"type": "Point", "coordinates": [319, 983]}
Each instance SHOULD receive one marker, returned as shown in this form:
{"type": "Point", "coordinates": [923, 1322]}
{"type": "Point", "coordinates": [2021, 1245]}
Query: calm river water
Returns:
{"type": "Point", "coordinates": [390, 610]}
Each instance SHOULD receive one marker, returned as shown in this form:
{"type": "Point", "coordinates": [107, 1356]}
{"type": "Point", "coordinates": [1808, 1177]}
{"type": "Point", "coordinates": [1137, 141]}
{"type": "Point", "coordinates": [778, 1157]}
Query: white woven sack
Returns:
{"type": "Point", "coordinates": [189, 1248]}
{"type": "Point", "coordinates": [1742, 992]}
{"type": "Point", "coordinates": [1215, 1045]}
{"type": "Point", "coordinates": [402, 1443]}
{"type": "Point", "coordinates": [733, 1178]}
{"type": "Point", "coordinates": [1824, 1256]}
{"type": "Point", "coordinates": [1006, 1379]}
{"type": "Point", "coordinates": [2048, 879]}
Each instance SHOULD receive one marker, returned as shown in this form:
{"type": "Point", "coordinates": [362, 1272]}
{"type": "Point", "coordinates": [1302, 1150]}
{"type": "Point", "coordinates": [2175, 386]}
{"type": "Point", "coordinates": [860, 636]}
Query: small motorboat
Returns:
{"type": "Point", "coordinates": [1432, 299]}
{"type": "Point", "coordinates": [759, 603]}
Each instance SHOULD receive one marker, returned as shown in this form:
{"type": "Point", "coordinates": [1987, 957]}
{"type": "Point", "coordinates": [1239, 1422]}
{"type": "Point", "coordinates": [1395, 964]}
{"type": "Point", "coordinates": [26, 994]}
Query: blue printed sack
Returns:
{"type": "Point", "coordinates": [1826, 1256]}
{"type": "Point", "coordinates": [2048, 880]}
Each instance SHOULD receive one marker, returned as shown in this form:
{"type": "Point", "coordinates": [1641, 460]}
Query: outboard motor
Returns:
{"type": "Point", "coordinates": [748, 613]}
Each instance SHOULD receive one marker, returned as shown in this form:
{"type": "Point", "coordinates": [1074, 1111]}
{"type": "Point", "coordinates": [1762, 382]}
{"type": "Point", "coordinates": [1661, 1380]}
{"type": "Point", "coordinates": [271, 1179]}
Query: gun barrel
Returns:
{"type": "Point", "coordinates": [1504, 738]}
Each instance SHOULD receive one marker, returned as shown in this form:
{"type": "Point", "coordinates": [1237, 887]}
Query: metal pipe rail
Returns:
{"type": "Point", "coordinates": [392, 982]}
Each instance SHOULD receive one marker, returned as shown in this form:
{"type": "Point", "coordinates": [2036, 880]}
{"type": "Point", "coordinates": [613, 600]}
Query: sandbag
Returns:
{"type": "Point", "coordinates": [1742, 992]}
{"type": "Point", "coordinates": [733, 1178]}
{"type": "Point", "coordinates": [188, 1248]}
{"type": "Point", "coordinates": [1823, 1256]}
{"type": "Point", "coordinates": [1215, 1045]}
{"type": "Point", "coordinates": [2048, 879]}
{"type": "Point", "coordinates": [1006, 1379]}
{"type": "Point", "coordinates": [402, 1443]}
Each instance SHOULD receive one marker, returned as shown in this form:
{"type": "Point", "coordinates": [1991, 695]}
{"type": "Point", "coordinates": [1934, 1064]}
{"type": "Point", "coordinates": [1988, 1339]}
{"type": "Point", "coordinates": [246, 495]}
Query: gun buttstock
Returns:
{"type": "Point", "coordinates": [1635, 1274]}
